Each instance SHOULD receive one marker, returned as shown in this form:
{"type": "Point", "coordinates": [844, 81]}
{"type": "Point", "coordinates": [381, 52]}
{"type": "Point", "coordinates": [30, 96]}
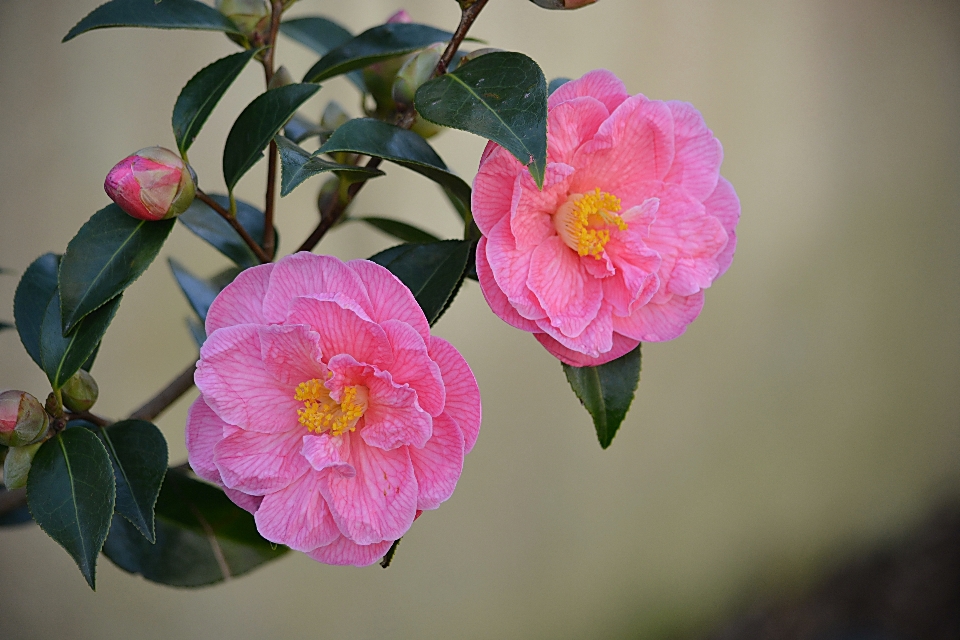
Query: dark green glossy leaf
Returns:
{"type": "Point", "coordinates": [555, 84]}
{"type": "Point", "coordinates": [256, 126]}
{"type": "Point", "coordinates": [320, 35]}
{"type": "Point", "coordinates": [62, 356]}
{"type": "Point", "coordinates": [199, 292]}
{"type": "Point", "coordinates": [433, 272]}
{"type": "Point", "coordinates": [202, 93]}
{"type": "Point", "coordinates": [71, 493]}
{"type": "Point", "coordinates": [501, 96]}
{"type": "Point", "coordinates": [373, 45]}
{"type": "Point", "coordinates": [202, 538]}
{"type": "Point", "coordinates": [36, 288]}
{"type": "Point", "coordinates": [108, 253]}
{"type": "Point", "coordinates": [88, 364]}
{"type": "Point", "coordinates": [138, 452]}
{"type": "Point", "coordinates": [168, 14]}
{"type": "Point", "coordinates": [296, 166]}
{"type": "Point", "coordinates": [388, 556]}
{"type": "Point", "coordinates": [607, 391]}
{"type": "Point", "coordinates": [400, 230]}
{"type": "Point", "coordinates": [207, 223]}
{"type": "Point", "coordinates": [300, 128]}
{"type": "Point", "coordinates": [375, 138]}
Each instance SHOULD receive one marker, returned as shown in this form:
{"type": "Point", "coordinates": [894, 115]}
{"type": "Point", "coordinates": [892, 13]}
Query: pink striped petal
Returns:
{"type": "Point", "coordinates": [595, 339]}
{"type": "Point", "coordinates": [492, 197]}
{"type": "Point", "coordinates": [495, 296]}
{"type": "Point", "coordinates": [342, 331]}
{"type": "Point", "coordinates": [572, 123]}
{"type": "Point", "coordinates": [531, 219]}
{"type": "Point", "coordinates": [328, 452]}
{"type": "Point", "coordinates": [600, 84]}
{"type": "Point", "coordinates": [511, 270]}
{"type": "Point", "coordinates": [241, 301]}
{"type": "Point", "coordinates": [660, 322]}
{"type": "Point", "coordinates": [393, 418]}
{"type": "Point", "coordinates": [463, 394]}
{"type": "Point", "coordinates": [696, 165]}
{"type": "Point", "coordinates": [390, 299]}
{"type": "Point", "coordinates": [234, 382]}
{"type": "Point", "coordinates": [260, 463]}
{"type": "Point", "coordinates": [297, 516]}
{"type": "Point", "coordinates": [291, 353]}
{"type": "Point", "coordinates": [243, 500]}
{"type": "Point", "coordinates": [346, 552]}
{"type": "Point", "coordinates": [380, 502]}
{"type": "Point", "coordinates": [412, 365]}
{"type": "Point", "coordinates": [438, 464]}
{"type": "Point", "coordinates": [305, 274]}
{"type": "Point", "coordinates": [621, 345]}
{"type": "Point", "coordinates": [724, 204]}
{"type": "Point", "coordinates": [570, 296]}
{"type": "Point", "coordinates": [204, 430]}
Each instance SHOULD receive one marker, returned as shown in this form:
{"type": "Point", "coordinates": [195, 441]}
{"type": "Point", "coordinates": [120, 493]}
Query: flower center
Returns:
{"type": "Point", "coordinates": [322, 413]}
{"type": "Point", "coordinates": [584, 221]}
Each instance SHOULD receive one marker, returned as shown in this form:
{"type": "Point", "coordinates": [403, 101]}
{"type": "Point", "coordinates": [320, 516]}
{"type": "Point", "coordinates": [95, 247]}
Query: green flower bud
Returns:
{"type": "Point", "coordinates": [467, 57]}
{"type": "Point", "coordinates": [22, 418]}
{"type": "Point", "coordinates": [281, 78]}
{"type": "Point", "coordinates": [246, 14]}
{"type": "Point", "coordinates": [333, 116]}
{"type": "Point", "coordinates": [16, 466]}
{"type": "Point", "coordinates": [80, 392]}
{"type": "Point", "coordinates": [415, 71]}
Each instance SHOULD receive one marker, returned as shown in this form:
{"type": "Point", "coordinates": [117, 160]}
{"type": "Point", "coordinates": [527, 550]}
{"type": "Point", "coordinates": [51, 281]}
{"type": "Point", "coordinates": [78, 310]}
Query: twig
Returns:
{"type": "Point", "coordinates": [89, 417]}
{"type": "Point", "coordinates": [12, 500]}
{"type": "Point", "coordinates": [167, 396]}
{"type": "Point", "coordinates": [470, 11]}
{"type": "Point", "coordinates": [210, 202]}
{"type": "Point", "coordinates": [272, 153]}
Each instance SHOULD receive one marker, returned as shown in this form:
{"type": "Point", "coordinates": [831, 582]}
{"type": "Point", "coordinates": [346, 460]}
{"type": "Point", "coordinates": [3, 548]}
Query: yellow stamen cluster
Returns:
{"type": "Point", "coordinates": [322, 413]}
{"type": "Point", "coordinates": [584, 221]}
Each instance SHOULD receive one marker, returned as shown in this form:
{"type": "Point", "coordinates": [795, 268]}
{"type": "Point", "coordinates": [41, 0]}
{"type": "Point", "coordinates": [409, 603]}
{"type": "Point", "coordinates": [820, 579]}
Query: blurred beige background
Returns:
{"type": "Point", "coordinates": [812, 409]}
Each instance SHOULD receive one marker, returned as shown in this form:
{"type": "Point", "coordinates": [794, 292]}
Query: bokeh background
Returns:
{"type": "Point", "coordinates": [812, 411]}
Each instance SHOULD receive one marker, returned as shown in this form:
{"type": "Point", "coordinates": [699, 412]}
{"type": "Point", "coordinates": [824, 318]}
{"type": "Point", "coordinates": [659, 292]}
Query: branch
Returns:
{"type": "Point", "coordinates": [167, 396]}
{"type": "Point", "coordinates": [272, 153]}
{"type": "Point", "coordinates": [210, 202]}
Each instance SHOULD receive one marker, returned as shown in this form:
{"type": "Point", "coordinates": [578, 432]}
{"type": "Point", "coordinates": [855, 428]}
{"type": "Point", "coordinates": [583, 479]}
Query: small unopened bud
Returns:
{"type": "Point", "coordinates": [152, 184]}
{"type": "Point", "coordinates": [16, 466]}
{"type": "Point", "coordinates": [400, 16]}
{"type": "Point", "coordinates": [246, 14]}
{"type": "Point", "coordinates": [22, 418]}
{"type": "Point", "coordinates": [562, 4]}
{"type": "Point", "coordinates": [333, 116]}
{"type": "Point", "coordinates": [80, 392]}
{"type": "Point", "coordinates": [378, 77]}
{"type": "Point", "coordinates": [415, 71]}
{"type": "Point", "coordinates": [473, 55]}
{"type": "Point", "coordinates": [281, 78]}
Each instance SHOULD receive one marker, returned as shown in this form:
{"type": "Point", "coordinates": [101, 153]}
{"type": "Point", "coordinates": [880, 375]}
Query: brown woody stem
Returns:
{"type": "Point", "coordinates": [256, 248]}
{"type": "Point", "coordinates": [167, 396]}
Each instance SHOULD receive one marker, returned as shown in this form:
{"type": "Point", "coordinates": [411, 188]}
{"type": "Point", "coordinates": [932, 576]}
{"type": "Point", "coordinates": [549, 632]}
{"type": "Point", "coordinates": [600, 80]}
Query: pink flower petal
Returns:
{"type": "Point", "coordinates": [696, 165]}
{"type": "Point", "coordinates": [463, 394]}
{"type": "Point", "coordinates": [600, 84]}
{"type": "Point", "coordinates": [492, 197]}
{"type": "Point", "coordinates": [297, 516]}
{"type": "Point", "coordinates": [572, 123]}
{"type": "Point", "coordinates": [570, 296]}
{"type": "Point", "coordinates": [393, 418]}
{"type": "Point", "coordinates": [531, 219]}
{"type": "Point", "coordinates": [621, 345]}
{"type": "Point", "coordinates": [241, 301]}
{"type": "Point", "coordinates": [204, 430]}
{"type": "Point", "coordinates": [328, 452]}
{"type": "Point", "coordinates": [342, 331]}
{"type": "Point", "coordinates": [438, 464]}
{"type": "Point", "coordinates": [346, 552]}
{"type": "Point", "coordinates": [305, 274]}
{"type": "Point", "coordinates": [635, 280]}
{"type": "Point", "coordinates": [724, 204]}
{"type": "Point", "coordinates": [412, 365]}
{"type": "Point", "coordinates": [660, 322]}
{"type": "Point", "coordinates": [260, 463]}
{"type": "Point", "coordinates": [380, 502]}
{"type": "Point", "coordinates": [243, 500]}
{"type": "Point", "coordinates": [390, 299]}
{"type": "Point", "coordinates": [291, 353]}
{"type": "Point", "coordinates": [595, 339]}
{"type": "Point", "coordinates": [495, 296]}
{"type": "Point", "coordinates": [234, 382]}
{"type": "Point", "coordinates": [511, 270]}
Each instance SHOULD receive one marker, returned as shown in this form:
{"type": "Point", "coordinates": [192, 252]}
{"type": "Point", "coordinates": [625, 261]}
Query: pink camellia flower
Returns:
{"type": "Point", "coordinates": [152, 184]}
{"type": "Point", "coordinates": [633, 223]}
{"type": "Point", "coordinates": [327, 409]}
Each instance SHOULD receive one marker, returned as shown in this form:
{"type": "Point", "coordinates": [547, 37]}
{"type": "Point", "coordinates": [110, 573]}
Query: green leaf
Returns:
{"type": "Point", "coordinates": [202, 93]}
{"type": "Point", "coordinates": [168, 14]}
{"type": "Point", "coordinates": [501, 96]}
{"type": "Point", "coordinates": [400, 230]}
{"type": "Point", "coordinates": [208, 225]}
{"type": "Point", "coordinates": [62, 356]}
{"type": "Point", "coordinates": [388, 556]}
{"type": "Point", "coordinates": [71, 493]}
{"type": "Point", "coordinates": [199, 292]}
{"type": "Point", "coordinates": [108, 253]}
{"type": "Point", "coordinates": [299, 128]}
{"type": "Point", "coordinates": [555, 84]}
{"type": "Point", "coordinates": [607, 391]}
{"type": "Point", "coordinates": [256, 126]}
{"type": "Point", "coordinates": [296, 166]}
{"type": "Point", "coordinates": [197, 331]}
{"type": "Point", "coordinates": [202, 538]}
{"type": "Point", "coordinates": [373, 45]}
{"type": "Point", "coordinates": [375, 138]}
{"type": "Point", "coordinates": [321, 35]}
{"type": "Point", "coordinates": [433, 272]}
{"type": "Point", "coordinates": [36, 288]}
{"type": "Point", "coordinates": [138, 452]}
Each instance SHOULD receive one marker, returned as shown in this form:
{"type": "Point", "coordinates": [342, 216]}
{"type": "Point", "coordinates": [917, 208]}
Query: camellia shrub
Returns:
{"type": "Point", "coordinates": [329, 418]}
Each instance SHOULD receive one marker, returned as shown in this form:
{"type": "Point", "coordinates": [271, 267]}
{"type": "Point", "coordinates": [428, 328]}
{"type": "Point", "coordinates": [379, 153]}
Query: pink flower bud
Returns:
{"type": "Point", "coordinates": [400, 16]}
{"type": "Point", "coordinates": [22, 418]}
{"type": "Point", "coordinates": [16, 466]}
{"type": "Point", "coordinates": [152, 184]}
{"type": "Point", "coordinates": [80, 392]}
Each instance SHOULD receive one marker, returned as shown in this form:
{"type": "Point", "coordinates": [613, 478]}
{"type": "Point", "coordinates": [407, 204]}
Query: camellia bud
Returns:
{"type": "Point", "coordinates": [415, 71]}
{"type": "Point", "coordinates": [16, 466]}
{"type": "Point", "coordinates": [80, 392]}
{"type": "Point", "coordinates": [281, 78]}
{"type": "Point", "coordinates": [22, 418]}
{"type": "Point", "coordinates": [378, 77]}
{"type": "Point", "coordinates": [152, 184]}
{"type": "Point", "coordinates": [472, 55]}
{"type": "Point", "coordinates": [562, 4]}
{"type": "Point", "coordinates": [246, 14]}
{"type": "Point", "coordinates": [333, 116]}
